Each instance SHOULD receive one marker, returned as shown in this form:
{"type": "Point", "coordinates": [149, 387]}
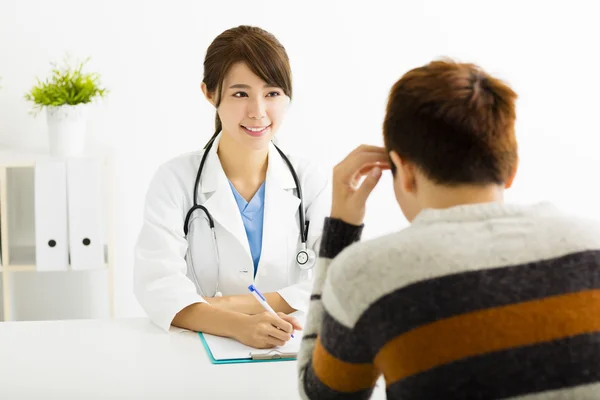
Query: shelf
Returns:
{"type": "Point", "coordinates": [19, 268]}
{"type": "Point", "coordinates": [25, 292]}
{"type": "Point", "coordinates": [21, 255]}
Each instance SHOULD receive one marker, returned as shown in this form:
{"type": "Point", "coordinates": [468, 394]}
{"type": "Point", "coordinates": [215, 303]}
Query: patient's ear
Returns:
{"type": "Point", "coordinates": [512, 175]}
{"type": "Point", "coordinates": [404, 174]}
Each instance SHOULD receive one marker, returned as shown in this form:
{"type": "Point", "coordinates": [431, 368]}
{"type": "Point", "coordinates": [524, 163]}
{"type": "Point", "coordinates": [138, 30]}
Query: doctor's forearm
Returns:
{"type": "Point", "coordinates": [201, 317]}
{"type": "Point", "coordinates": [247, 304]}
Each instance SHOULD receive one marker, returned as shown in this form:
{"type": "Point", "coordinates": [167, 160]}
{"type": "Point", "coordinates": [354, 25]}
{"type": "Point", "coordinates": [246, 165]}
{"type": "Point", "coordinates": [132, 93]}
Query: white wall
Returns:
{"type": "Point", "coordinates": [345, 57]}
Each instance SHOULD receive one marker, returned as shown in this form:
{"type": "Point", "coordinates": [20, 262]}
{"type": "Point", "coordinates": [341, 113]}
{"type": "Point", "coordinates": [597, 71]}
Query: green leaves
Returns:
{"type": "Point", "coordinates": [67, 85]}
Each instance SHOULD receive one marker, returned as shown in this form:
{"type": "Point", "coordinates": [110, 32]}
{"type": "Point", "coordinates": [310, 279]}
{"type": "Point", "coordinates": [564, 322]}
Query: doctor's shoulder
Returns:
{"type": "Point", "coordinates": [174, 179]}
{"type": "Point", "coordinates": [313, 175]}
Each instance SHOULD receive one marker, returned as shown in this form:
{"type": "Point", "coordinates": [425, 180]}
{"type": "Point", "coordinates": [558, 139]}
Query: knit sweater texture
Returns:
{"type": "Point", "coordinates": [482, 301]}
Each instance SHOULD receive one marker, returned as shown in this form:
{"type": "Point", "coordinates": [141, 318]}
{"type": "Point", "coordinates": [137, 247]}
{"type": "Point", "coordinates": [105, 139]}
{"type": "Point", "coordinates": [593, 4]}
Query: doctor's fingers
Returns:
{"type": "Point", "coordinates": [277, 334]}
{"type": "Point", "coordinates": [278, 322]}
{"type": "Point", "coordinates": [271, 342]}
{"type": "Point", "coordinates": [293, 321]}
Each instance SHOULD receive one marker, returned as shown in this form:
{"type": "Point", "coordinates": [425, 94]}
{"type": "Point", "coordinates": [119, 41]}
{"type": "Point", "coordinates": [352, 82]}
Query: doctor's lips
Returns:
{"type": "Point", "coordinates": [255, 131]}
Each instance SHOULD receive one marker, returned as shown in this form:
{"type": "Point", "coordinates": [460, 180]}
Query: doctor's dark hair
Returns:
{"type": "Point", "coordinates": [454, 122]}
{"type": "Point", "coordinates": [255, 47]}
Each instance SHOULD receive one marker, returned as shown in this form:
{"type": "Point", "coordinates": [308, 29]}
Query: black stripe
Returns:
{"type": "Point", "coordinates": [315, 297]}
{"type": "Point", "coordinates": [315, 389]}
{"type": "Point", "coordinates": [309, 337]}
{"type": "Point", "coordinates": [553, 365]}
{"type": "Point", "coordinates": [343, 343]}
{"type": "Point", "coordinates": [337, 235]}
{"type": "Point", "coordinates": [438, 298]}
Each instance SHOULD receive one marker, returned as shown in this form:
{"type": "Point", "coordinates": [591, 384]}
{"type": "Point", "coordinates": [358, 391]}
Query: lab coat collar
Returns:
{"type": "Point", "coordinates": [280, 202]}
{"type": "Point", "coordinates": [278, 173]}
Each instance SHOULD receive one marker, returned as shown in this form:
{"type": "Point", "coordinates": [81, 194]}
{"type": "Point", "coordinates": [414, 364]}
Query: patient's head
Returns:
{"type": "Point", "coordinates": [449, 128]}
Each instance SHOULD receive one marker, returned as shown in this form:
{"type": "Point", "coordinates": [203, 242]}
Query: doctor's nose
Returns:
{"type": "Point", "coordinates": [256, 110]}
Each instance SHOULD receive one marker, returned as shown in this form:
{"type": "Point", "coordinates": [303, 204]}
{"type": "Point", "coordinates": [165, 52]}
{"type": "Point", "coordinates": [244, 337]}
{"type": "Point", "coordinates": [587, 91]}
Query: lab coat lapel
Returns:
{"type": "Point", "coordinates": [281, 206]}
{"type": "Point", "coordinates": [221, 203]}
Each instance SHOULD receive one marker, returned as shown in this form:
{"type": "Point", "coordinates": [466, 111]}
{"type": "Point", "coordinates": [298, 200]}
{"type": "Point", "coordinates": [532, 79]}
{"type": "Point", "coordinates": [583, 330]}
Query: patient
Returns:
{"type": "Point", "coordinates": [476, 299]}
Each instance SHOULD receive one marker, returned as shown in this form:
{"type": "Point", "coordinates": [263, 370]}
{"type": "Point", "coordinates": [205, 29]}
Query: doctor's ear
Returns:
{"type": "Point", "coordinates": [210, 96]}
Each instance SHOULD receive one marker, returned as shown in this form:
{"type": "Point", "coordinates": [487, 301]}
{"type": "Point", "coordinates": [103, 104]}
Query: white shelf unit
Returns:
{"type": "Point", "coordinates": [22, 258]}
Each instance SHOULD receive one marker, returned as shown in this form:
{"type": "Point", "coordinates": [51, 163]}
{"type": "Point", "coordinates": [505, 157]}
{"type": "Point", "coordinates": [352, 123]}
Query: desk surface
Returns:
{"type": "Point", "coordinates": [127, 359]}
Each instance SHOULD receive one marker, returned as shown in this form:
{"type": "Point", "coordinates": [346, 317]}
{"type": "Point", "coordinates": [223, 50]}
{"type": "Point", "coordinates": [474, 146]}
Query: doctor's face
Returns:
{"type": "Point", "coordinates": [251, 111]}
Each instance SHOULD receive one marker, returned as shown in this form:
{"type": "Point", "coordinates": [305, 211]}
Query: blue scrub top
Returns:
{"type": "Point", "coordinates": [252, 216]}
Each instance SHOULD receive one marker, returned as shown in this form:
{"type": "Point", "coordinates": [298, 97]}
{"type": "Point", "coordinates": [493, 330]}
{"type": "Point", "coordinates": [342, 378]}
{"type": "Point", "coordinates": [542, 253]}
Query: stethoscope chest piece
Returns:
{"type": "Point", "coordinates": [306, 258]}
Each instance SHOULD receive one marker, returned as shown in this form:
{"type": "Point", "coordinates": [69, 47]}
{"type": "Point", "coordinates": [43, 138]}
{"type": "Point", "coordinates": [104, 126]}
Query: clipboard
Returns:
{"type": "Point", "coordinates": [274, 355]}
{"type": "Point", "coordinates": [271, 356]}
{"type": "Point", "coordinates": [222, 350]}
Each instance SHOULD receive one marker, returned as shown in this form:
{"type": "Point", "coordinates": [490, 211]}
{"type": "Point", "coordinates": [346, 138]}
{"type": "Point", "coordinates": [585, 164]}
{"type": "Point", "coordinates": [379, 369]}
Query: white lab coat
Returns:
{"type": "Point", "coordinates": [162, 279]}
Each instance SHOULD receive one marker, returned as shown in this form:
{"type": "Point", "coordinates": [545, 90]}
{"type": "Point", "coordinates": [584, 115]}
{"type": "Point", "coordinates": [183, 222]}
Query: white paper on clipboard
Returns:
{"type": "Point", "coordinates": [229, 349]}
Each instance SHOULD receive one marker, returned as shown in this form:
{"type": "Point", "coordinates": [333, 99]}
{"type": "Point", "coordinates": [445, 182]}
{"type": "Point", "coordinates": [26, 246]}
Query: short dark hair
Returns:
{"type": "Point", "coordinates": [454, 122]}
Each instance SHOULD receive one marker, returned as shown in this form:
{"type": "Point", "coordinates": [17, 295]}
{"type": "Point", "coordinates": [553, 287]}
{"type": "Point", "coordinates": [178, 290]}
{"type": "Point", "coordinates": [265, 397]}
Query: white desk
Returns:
{"type": "Point", "coordinates": [127, 359]}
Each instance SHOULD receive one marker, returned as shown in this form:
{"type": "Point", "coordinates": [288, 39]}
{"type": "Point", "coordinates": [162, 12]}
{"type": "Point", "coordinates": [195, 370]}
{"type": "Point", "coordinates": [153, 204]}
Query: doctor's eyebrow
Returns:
{"type": "Point", "coordinates": [244, 86]}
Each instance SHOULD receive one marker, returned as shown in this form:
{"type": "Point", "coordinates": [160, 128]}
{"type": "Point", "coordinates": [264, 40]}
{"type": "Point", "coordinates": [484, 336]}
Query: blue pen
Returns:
{"type": "Point", "coordinates": [261, 299]}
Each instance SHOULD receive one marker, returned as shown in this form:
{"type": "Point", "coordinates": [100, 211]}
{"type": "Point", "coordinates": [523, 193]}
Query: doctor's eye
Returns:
{"type": "Point", "coordinates": [240, 94]}
{"type": "Point", "coordinates": [274, 94]}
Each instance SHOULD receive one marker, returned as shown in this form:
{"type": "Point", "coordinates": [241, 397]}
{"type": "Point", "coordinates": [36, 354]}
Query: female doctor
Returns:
{"type": "Point", "coordinates": [236, 213]}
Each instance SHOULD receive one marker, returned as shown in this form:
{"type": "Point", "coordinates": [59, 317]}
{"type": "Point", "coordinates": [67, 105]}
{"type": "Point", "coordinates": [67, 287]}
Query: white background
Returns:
{"type": "Point", "coordinates": [345, 57]}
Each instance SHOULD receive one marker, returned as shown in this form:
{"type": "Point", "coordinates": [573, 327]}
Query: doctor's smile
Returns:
{"type": "Point", "coordinates": [255, 131]}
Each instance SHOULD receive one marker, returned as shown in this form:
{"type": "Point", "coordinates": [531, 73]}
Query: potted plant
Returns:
{"type": "Point", "coordinates": [66, 95]}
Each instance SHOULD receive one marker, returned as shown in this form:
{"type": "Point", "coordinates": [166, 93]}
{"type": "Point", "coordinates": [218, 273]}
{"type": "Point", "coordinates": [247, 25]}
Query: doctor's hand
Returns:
{"type": "Point", "coordinates": [349, 194]}
{"type": "Point", "coordinates": [265, 330]}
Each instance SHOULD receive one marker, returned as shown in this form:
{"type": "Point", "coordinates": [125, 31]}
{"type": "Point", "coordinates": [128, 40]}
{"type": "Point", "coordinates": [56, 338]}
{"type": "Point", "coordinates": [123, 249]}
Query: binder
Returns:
{"type": "Point", "coordinates": [223, 350]}
{"type": "Point", "coordinates": [85, 204]}
{"type": "Point", "coordinates": [50, 207]}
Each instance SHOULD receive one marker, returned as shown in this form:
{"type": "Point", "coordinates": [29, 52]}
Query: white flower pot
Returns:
{"type": "Point", "coordinates": [67, 129]}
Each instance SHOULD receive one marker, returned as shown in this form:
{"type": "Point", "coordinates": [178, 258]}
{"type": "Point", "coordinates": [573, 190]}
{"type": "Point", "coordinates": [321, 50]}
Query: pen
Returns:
{"type": "Point", "coordinates": [261, 299]}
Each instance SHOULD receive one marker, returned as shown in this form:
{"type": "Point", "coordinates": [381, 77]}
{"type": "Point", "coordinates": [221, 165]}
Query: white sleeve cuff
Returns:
{"type": "Point", "coordinates": [164, 315]}
{"type": "Point", "coordinates": [297, 296]}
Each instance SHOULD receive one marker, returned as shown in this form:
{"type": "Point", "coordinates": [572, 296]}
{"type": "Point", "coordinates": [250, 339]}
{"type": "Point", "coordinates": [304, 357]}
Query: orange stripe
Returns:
{"type": "Point", "coordinates": [489, 330]}
{"type": "Point", "coordinates": [340, 375]}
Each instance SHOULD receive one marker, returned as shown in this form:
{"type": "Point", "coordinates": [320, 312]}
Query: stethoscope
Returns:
{"type": "Point", "coordinates": [305, 257]}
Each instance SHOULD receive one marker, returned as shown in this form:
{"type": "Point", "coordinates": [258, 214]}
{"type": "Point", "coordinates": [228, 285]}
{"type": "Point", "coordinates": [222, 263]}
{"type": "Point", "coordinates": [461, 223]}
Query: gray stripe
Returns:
{"type": "Point", "coordinates": [585, 392]}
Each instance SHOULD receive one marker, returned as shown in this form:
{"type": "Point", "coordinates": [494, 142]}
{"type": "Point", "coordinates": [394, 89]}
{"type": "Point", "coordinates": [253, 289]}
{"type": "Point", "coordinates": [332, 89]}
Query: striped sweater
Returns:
{"type": "Point", "coordinates": [480, 301]}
